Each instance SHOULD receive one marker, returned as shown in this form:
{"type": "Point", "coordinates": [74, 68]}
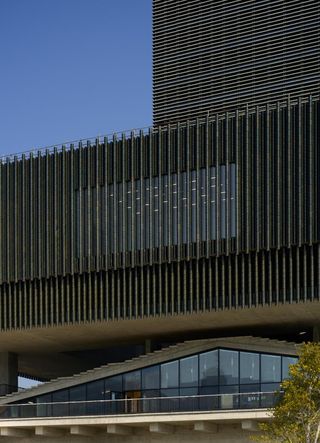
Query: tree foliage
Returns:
{"type": "Point", "coordinates": [296, 417]}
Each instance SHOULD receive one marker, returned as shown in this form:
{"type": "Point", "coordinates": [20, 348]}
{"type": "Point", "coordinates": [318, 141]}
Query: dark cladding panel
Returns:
{"type": "Point", "coordinates": [210, 56]}
{"type": "Point", "coordinates": [222, 213]}
{"type": "Point", "coordinates": [238, 281]}
{"type": "Point", "coordinates": [235, 183]}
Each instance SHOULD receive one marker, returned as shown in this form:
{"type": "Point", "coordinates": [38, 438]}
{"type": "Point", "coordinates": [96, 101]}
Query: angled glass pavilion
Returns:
{"type": "Point", "coordinates": [219, 377]}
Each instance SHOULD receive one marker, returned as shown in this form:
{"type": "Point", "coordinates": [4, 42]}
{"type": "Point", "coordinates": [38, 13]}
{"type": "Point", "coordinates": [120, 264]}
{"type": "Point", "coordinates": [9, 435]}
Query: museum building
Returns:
{"type": "Point", "coordinates": [159, 281]}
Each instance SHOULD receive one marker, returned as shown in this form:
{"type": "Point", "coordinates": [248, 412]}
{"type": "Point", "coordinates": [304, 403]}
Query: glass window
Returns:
{"type": "Point", "coordinates": [203, 203]}
{"type": "Point", "coordinates": [185, 207]}
{"type": "Point", "coordinates": [151, 378]}
{"type": "Point", "coordinates": [209, 398]}
{"type": "Point", "coordinates": [169, 375]}
{"type": "Point", "coordinates": [250, 388]}
{"type": "Point", "coordinates": [209, 390]}
{"type": "Point", "coordinates": [95, 391]}
{"type": "Point", "coordinates": [175, 204]}
{"type": "Point", "coordinates": [212, 201]}
{"type": "Point", "coordinates": [208, 363]}
{"type": "Point", "coordinates": [249, 368]}
{"type": "Point", "coordinates": [190, 402]}
{"type": "Point", "coordinates": [114, 403]}
{"type": "Point", "coordinates": [165, 210]}
{"type": "Point", "coordinates": [223, 201]}
{"type": "Point", "coordinates": [113, 384]}
{"type": "Point", "coordinates": [248, 398]}
{"type": "Point", "coordinates": [229, 398]}
{"type": "Point", "coordinates": [169, 404]}
{"type": "Point", "coordinates": [132, 381]}
{"type": "Point", "coordinates": [188, 391]}
{"type": "Point", "coordinates": [233, 199]}
{"type": "Point", "coordinates": [137, 202]}
{"type": "Point", "coordinates": [151, 402]}
{"type": "Point", "coordinates": [189, 371]}
{"type": "Point", "coordinates": [140, 201]}
{"type": "Point", "coordinates": [155, 221]}
{"type": "Point", "coordinates": [286, 361]}
{"type": "Point", "coordinates": [172, 403]}
{"type": "Point", "coordinates": [225, 389]}
{"type": "Point", "coordinates": [77, 395]}
{"type": "Point", "coordinates": [146, 213]}
{"type": "Point", "coordinates": [270, 368]}
{"type": "Point", "coordinates": [229, 367]}
{"type": "Point", "coordinates": [151, 393]}
{"type": "Point", "coordinates": [270, 387]}
{"type": "Point", "coordinates": [128, 187]}
{"type": "Point", "coordinates": [194, 221]}
{"type": "Point", "coordinates": [43, 410]}
{"type": "Point", "coordinates": [61, 409]}
{"type": "Point", "coordinates": [269, 398]}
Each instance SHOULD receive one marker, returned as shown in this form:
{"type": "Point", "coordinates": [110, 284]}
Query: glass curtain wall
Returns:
{"type": "Point", "coordinates": [219, 371]}
{"type": "Point", "coordinates": [146, 210]}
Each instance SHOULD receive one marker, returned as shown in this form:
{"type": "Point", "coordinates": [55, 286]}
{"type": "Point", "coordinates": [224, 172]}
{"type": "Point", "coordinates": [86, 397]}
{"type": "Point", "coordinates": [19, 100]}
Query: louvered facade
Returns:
{"type": "Point", "coordinates": [216, 214]}
{"type": "Point", "coordinates": [214, 55]}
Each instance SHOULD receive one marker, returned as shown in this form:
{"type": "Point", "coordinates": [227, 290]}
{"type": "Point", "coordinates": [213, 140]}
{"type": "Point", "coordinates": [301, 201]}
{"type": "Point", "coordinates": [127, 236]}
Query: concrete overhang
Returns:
{"type": "Point", "coordinates": [97, 335]}
{"type": "Point", "coordinates": [163, 423]}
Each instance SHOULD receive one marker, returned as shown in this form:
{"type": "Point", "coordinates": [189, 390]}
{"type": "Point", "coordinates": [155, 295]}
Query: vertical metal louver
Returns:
{"type": "Point", "coordinates": [213, 214]}
{"type": "Point", "coordinates": [214, 55]}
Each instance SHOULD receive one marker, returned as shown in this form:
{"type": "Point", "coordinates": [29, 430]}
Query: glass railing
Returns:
{"type": "Point", "coordinates": [252, 400]}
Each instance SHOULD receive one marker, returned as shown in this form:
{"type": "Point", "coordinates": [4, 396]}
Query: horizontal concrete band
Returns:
{"type": "Point", "coordinates": [124, 424]}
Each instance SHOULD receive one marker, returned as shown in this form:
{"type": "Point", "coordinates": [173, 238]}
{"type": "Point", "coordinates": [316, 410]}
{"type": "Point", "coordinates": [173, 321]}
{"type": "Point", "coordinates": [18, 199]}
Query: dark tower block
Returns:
{"type": "Point", "coordinates": [211, 56]}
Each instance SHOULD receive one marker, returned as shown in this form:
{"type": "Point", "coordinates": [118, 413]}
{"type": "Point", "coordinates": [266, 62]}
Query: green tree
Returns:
{"type": "Point", "coordinates": [296, 417]}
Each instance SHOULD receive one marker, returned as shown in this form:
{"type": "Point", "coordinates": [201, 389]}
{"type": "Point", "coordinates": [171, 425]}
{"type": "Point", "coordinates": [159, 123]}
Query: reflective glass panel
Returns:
{"type": "Point", "coordinates": [229, 367]}
{"type": "Point", "coordinates": [229, 398]}
{"type": "Point", "coordinates": [223, 201]}
{"type": "Point", "coordinates": [62, 398]}
{"type": "Point", "coordinates": [113, 384]}
{"type": "Point", "coordinates": [269, 398]}
{"type": "Point", "coordinates": [132, 381]}
{"type": "Point", "coordinates": [188, 391]}
{"type": "Point", "coordinates": [169, 392]}
{"type": "Point", "coordinates": [250, 388]}
{"type": "Point", "coordinates": [189, 371]}
{"type": "Point", "coordinates": [229, 389]}
{"type": "Point", "coordinates": [169, 404]}
{"type": "Point", "coordinates": [209, 390]}
{"type": "Point", "coordinates": [270, 368]}
{"type": "Point", "coordinates": [208, 363]}
{"type": "Point", "coordinates": [151, 378]}
{"type": "Point", "coordinates": [189, 400]}
{"type": "Point", "coordinates": [114, 407]}
{"type": "Point", "coordinates": [212, 201]}
{"type": "Point", "coordinates": [170, 375]}
{"type": "Point", "coordinates": [43, 410]}
{"type": "Point", "coordinates": [249, 368]}
{"type": "Point", "coordinates": [151, 393]}
{"type": "Point", "coordinates": [95, 391]}
{"type": "Point", "coordinates": [209, 398]}
{"type": "Point", "coordinates": [270, 387]}
{"type": "Point", "coordinates": [249, 400]}
{"type": "Point", "coordinates": [286, 361]}
{"type": "Point", "coordinates": [151, 402]}
{"type": "Point", "coordinates": [233, 199]}
{"type": "Point", "coordinates": [77, 394]}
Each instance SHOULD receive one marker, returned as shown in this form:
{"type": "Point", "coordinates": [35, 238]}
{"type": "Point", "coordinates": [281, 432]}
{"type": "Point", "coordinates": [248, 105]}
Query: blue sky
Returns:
{"type": "Point", "coordinates": [72, 69]}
